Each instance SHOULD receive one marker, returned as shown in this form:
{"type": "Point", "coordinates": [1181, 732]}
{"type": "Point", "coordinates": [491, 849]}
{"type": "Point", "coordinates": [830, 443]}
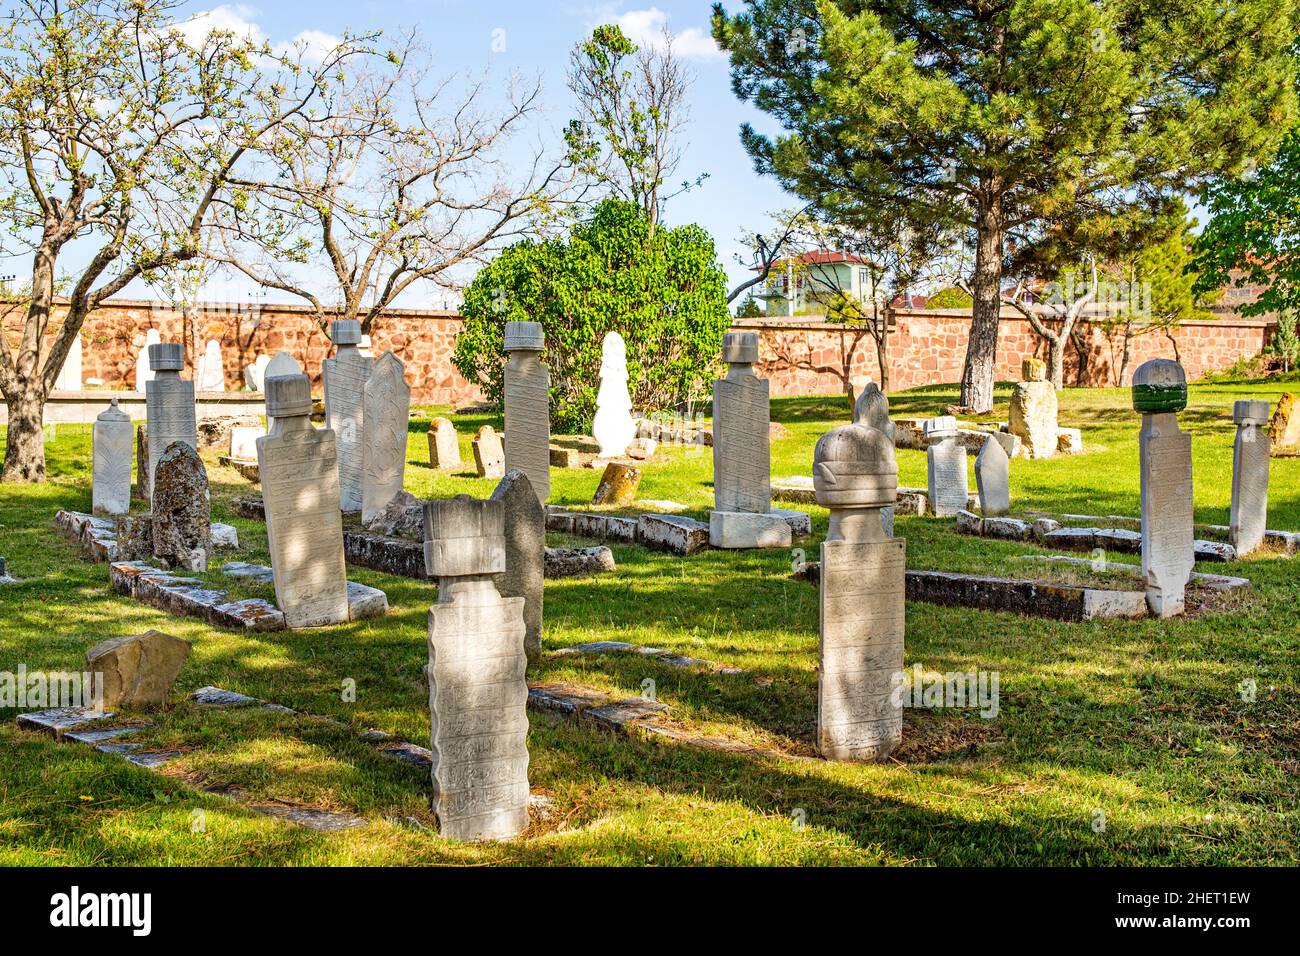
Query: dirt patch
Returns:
{"type": "Point", "coordinates": [928, 738]}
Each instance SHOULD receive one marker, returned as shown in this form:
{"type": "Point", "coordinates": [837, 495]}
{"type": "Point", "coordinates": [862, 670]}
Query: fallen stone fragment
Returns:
{"type": "Point", "coordinates": [138, 671]}
{"type": "Point", "coordinates": [58, 721]}
{"type": "Point", "coordinates": [618, 485]}
{"type": "Point", "coordinates": [673, 533]}
{"type": "Point", "coordinates": [578, 562]}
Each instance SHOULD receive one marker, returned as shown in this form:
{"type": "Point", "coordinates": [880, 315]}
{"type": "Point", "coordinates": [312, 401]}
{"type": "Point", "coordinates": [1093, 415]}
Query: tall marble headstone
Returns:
{"type": "Point", "coordinates": [1250, 458]}
{"type": "Point", "coordinates": [345, 382]}
{"type": "Point", "coordinates": [211, 373]}
{"type": "Point", "coordinates": [444, 444]}
{"type": "Point", "coordinates": [300, 491]}
{"type": "Point", "coordinates": [386, 413]}
{"type": "Point", "coordinates": [69, 379]}
{"type": "Point", "coordinates": [945, 467]}
{"type": "Point", "coordinates": [872, 410]}
{"type": "Point", "coordinates": [478, 693]}
{"type": "Point", "coordinates": [169, 404]}
{"type": "Point", "coordinates": [1165, 458]}
{"type": "Point", "coordinates": [863, 575]}
{"type": "Point", "coordinates": [113, 441]}
{"type": "Point", "coordinates": [528, 406]}
{"type": "Point", "coordinates": [525, 543]}
{"type": "Point", "coordinates": [281, 364]}
{"type": "Point", "coordinates": [993, 478]}
{"type": "Point", "coordinates": [143, 372]}
{"type": "Point", "coordinates": [613, 427]}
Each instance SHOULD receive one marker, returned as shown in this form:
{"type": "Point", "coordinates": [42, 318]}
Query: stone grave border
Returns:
{"type": "Point", "coordinates": [675, 534]}
{"type": "Point", "coordinates": [1051, 534]}
{"type": "Point", "coordinates": [97, 536]}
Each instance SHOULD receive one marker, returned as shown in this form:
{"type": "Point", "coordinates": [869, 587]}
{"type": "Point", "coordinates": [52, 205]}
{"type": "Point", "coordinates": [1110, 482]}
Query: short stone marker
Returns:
{"type": "Point", "coordinates": [69, 379]}
{"type": "Point", "coordinates": [386, 414]}
{"type": "Point", "coordinates": [112, 445]}
{"type": "Point", "coordinates": [138, 671]}
{"type": "Point", "coordinates": [182, 515]}
{"type": "Point", "coordinates": [444, 444]}
{"type": "Point", "coordinates": [1251, 449]}
{"type": "Point", "coordinates": [618, 485]}
{"type": "Point", "coordinates": [525, 543]}
{"type": "Point", "coordinates": [1284, 429]}
{"type": "Point", "coordinates": [169, 404]}
{"type": "Point", "coordinates": [947, 484]}
{"type": "Point", "coordinates": [1165, 458]}
{"type": "Point", "coordinates": [141, 489]}
{"type": "Point", "coordinates": [613, 426]}
{"type": "Point", "coordinates": [345, 378]}
{"type": "Point", "coordinates": [255, 374]}
{"type": "Point", "coordinates": [528, 406]}
{"type": "Point", "coordinates": [243, 441]}
{"type": "Point", "coordinates": [300, 492]}
{"type": "Point", "coordinates": [862, 591]}
{"type": "Point", "coordinates": [1032, 415]}
{"type": "Point", "coordinates": [489, 455]}
{"type": "Point", "coordinates": [993, 478]}
{"type": "Point", "coordinates": [143, 371]}
{"type": "Point", "coordinates": [478, 694]}
{"type": "Point", "coordinates": [282, 363]}
{"type": "Point", "coordinates": [210, 376]}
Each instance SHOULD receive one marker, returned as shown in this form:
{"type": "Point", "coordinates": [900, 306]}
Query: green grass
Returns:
{"type": "Point", "coordinates": [1139, 720]}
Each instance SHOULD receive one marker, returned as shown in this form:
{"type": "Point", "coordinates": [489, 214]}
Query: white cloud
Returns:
{"type": "Point", "coordinates": [313, 45]}
{"type": "Point", "coordinates": [236, 18]}
{"type": "Point", "coordinates": [646, 28]}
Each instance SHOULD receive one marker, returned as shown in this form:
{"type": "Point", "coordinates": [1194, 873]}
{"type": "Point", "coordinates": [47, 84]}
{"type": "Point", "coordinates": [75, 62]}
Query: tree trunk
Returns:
{"type": "Point", "coordinates": [882, 348]}
{"type": "Point", "coordinates": [1056, 361]}
{"type": "Point", "coordinates": [986, 289]}
{"type": "Point", "coordinates": [25, 440]}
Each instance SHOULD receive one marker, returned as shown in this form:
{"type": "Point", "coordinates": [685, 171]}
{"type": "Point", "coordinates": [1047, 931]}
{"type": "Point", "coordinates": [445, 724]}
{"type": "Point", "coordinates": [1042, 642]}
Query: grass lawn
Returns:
{"type": "Point", "coordinates": [1139, 724]}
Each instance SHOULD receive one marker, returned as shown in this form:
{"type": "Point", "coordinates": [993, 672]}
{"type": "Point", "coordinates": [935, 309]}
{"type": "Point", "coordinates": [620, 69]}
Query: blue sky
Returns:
{"type": "Point", "coordinates": [537, 38]}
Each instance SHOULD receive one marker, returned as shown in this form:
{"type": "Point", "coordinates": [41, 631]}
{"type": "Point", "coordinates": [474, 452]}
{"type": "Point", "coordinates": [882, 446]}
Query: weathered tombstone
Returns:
{"type": "Point", "coordinates": [169, 405]}
{"type": "Point", "coordinates": [111, 446]}
{"type": "Point", "coordinates": [993, 478]}
{"type": "Point", "coordinates": [211, 373]}
{"type": "Point", "coordinates": [300, 491]}
{"type": "Point", "coordinates": [863, 573]}
{"type": "Point", "coordinates": [137, 672]}
{"type": "Point", "coordinates": [255, 374]}
{"type": "Point", "coordinates": [1165, 457]}
{"type": "Point", "coordinates": [1250, 462]}
{"type": "Point", "coordinates": [386, 414]}
{"type": "Point", "coordinates": [281, 364]}
{"type": "Point", "coordinates": [69, 379]}
{"type": "Point", "coordinates": [143, 371]}
{"type": "Point", "coordinates": [444, 444]}
{"type": "Point", "coordinates": [243, 442]}
{"type": "Point", "coordinates": [142, 462]}
{"type": "Point", "coordinates": [528, 406]}
{"type": "Point", "coordinates": [1033, 411]}
{"type": "Point", "coordinates": [613, 427]}
{"type": "Point", "coordinates": [478, 693]}
{"type": "Point", "coordinates": [182, 511]}
{"type": "Point", "coordinates": [345, 382]}
{"type": "Point", "coordinates": [489, 455]}
{"type": "Point", "coordinates": [872, 410]}
{"type": "Point", "coordinates": [1284, 429]}
{"type": "Point", "coordinates": [945, 467]}
{"type": "Point", "coordinates": [525, 543]}
{"type": "Point", "coordinates": [618, 485]}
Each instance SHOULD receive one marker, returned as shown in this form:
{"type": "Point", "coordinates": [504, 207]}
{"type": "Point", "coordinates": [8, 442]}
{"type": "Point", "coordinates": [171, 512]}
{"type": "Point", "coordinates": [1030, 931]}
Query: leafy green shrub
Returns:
{"type": "Point", "coordinates": [950, 298]}
{"type": "Point", "coordinates": [662, 290]}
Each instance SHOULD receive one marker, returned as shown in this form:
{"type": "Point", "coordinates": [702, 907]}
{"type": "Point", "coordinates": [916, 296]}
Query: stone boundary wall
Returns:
{"type": "Point", "coordinates": [801, 356]}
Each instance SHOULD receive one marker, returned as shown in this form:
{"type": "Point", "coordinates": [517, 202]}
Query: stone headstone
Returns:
{"type": "Point", "coordinates": [525, 543]}
{"type": "Point", "coordinates": [1165, 458]}
{"type": "Point", "coordinates": [281, 364]}
{"type": "Point", "coordinates": [386, 414]}
{"type": "Point", "coordinates": [210, 376]}
{"type": "Point", "coordinates": [243, 442]}
{"type": "Point", "coordinates": [143, 371]}
{"type": "Point", "coordinates": [1250, 461]}
{"type": "Point", "coordinates": [141, 490]}
{"type": "Point", "coordinates": [255, 374]}
{"type": "Point", "coordinates": [300, 492]}
{"type": "Point", "coordinates": [948, 485]}
{"type": "Point", "coordinates": [478, 693]}
{"type": "Point", "coordinates": [613, 426]}
{"type": "Point", "coordinates": [993, 478]}
{"type": "Point", "coordinates": [741, 452]}
{"type": "Point", "coordinates": [528, 406]}
{"type": "Point", "coordinates": [444, 444]}
{"type": "Point", "coordinates": [1033, 411]}
{"type": "Point", "coordinates": [489, 455]}
{"type": "Point", "coordinates": [182, 512]}
{"type": "Point", "coordinates": [862, 588]}
{"type": "Point", "coordinates": [345, 383]}
{"type": "Point", "coordinates": [69, 379]}
{"type": "Point", "coordinates": [618, 485]}
{"type": "Point", "coordinates": [138, 671]}
{"type": "Point", "coordinates": [872, 410]}
{"type": "Point", "coordinates": [1284, 429]}
{"type": "Point", "coordinates": [169, 404]}
{"type": "Point", "coordinates": [112, 444]}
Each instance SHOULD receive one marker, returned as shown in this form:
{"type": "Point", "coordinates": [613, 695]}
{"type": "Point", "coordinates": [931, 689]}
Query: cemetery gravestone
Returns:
{"type": "Point", "coordinates": [169, 405]}
{"type": "Point", "coordinates": [1033, 413]}
{"type": "Point", "coordinates": [1165, 458]}
{"type": "Point", "coordinates": [525, 544]}
{"type": "Point", "coordinates": [527, 406]}
{"type": "Point", "coordinates": [613, 427]}
{"type": "Point", "coordinates": [386, 413]}
{"type": "Point", "coordinates": [489, 456]}
{"type": "Point", "coordinates": [69, 379]}
{"type": "Point", "coordinates": [872, 410]}
{"type": "Point", "coordinates": [444, 444]}
{"type": "Point", "coordinates": [112, 443]}
{"type": "Point", "coordinates": [993, 478]}
{"type": "Point", "coordinates": [477, 689]}
{"type": "Point", "coordinates": [255, 374]}
{"type": "Point", "coordinates": [142, 461]}
{"type": "Point", "coordinates": [137, 671]}
{"type": "Point", "coordinates": [143, 371]}
{"type": "Point", "coordinates": [945, 467]}
{"type": "Point", "coordinates": [182, 514]}
{"type": "Point", "coordinates": [300, 492]}
{"type": "Point", "coordinates": [281, 364]}
{"type": "Point", "coordinates": [1250, 462]}
{"type": "Point", "coordinates": [211, 373]}
{"type": "Point", "coordinates": [1284, 429]}
{"type": "Point", "coordinates": [862, 590]}
{"type": "Point", "coordinates": [345, 382]}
